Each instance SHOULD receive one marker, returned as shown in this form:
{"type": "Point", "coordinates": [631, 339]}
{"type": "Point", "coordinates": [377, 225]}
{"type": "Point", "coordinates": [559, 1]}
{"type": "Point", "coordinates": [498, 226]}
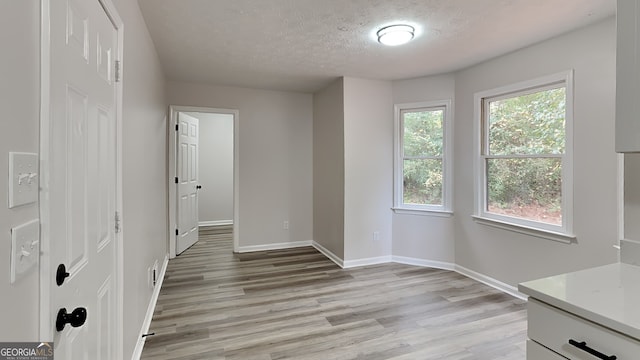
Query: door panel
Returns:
{"type": "Point", "coordinates": [82, 177]}
{"type": "Point", "coordinates": [76, 124]}
{"type": "Point", "coordinates": [187, 191]}
{"type": "Point", "coordinates": [105, 313]}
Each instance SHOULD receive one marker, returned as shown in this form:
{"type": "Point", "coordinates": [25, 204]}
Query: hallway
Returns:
{"type": "Point", "coordinates": [296, 304]}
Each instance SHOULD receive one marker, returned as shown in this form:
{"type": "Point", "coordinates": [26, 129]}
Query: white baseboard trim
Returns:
{"type": "Point", "coordinates": [137, 352]}
{"type": "Point", "coordinates": [424, 263]}
{"type": "Point", "coordinates": [215, 223]}
{"type": "Point", "coordinates": [278, 246]}
{"type": "Point", "coordinates": [499, 285]}
{"type": "Point", "coordinates": [326, 252]}
{"type": "Point", "coordinates": [487, 280]}
{"type": "Point", "coordinates": [367, 261]}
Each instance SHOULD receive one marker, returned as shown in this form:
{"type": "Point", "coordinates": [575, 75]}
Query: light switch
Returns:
{"type": "Point", "coordinates": [24, 179]}
{"type": "Point", "coordinates": [25, 248]}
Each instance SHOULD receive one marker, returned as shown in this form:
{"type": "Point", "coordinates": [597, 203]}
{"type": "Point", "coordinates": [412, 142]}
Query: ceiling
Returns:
{"type": "Point", "coordinates": [303, 45]}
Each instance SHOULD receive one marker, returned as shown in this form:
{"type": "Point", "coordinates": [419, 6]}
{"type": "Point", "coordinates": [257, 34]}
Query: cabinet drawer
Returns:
{"type": "Point", "coordinates": [554, 328]}
{"type": "Point", "coordinates": [536, 351]}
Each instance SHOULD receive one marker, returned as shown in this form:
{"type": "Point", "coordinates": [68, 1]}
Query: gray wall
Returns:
{"type": "Point", "coordinates": [632, 196]}
{"type": "Point", "coordinates": [368, 167]}
{"type": "Point", "coordinates": [422, 236]}
{"type": "Point", "coordinates": [215, 170]}
{"type": "Point", "coordinates": [20, 101]}
{"type": "Point", "coordinates": [144, 168]}
{"type": "Point", "coordinates": [275, 137]}
{"type": "Point", "coordinates": [507, 256]}
{"type": "Point", "coordinates": [511, 257]}
{"type": "Point", "coordinates": [328, 168]}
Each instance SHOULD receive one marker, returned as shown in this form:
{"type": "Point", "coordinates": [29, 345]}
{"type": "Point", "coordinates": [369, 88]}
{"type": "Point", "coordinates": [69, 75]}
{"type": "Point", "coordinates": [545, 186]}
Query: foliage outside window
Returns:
{"type": "Point", "coordinates": [421, 156]}
{"type": "Point", "coordinates": [524, 155]}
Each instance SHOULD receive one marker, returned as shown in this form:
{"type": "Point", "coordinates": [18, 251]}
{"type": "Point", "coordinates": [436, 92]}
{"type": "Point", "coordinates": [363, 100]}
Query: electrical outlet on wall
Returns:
{"type": "Point", "coordinates": [376, 235]}
{"type": "Point", "coordinates": [285, 225]}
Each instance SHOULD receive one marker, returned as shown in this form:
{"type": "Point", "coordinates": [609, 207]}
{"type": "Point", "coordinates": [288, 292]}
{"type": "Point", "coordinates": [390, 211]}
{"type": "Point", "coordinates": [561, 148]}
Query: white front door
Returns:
{"type": "Point", "coordinates": [81, 188]}
{"type": "Point", "coordinates": [187, 192]}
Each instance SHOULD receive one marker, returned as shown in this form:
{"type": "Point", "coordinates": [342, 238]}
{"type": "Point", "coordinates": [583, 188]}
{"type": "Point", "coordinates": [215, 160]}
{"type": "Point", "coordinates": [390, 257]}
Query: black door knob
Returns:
{"type": "Point", "coordinates": [198, 186]}
{"type": "Point", "coordinates": [61, 274]}
{"type": "Point", "coordinates": [76, 318]}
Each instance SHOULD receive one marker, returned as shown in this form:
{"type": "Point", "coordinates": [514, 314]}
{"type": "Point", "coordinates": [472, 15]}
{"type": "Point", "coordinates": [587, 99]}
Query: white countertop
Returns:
{"type": "Point", "coordinates": [608, 295]}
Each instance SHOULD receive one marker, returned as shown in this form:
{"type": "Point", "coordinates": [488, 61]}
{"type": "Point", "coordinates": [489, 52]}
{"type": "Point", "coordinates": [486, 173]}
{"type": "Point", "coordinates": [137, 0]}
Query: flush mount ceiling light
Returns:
{"type": "Point", "coordinates": [394, 35]}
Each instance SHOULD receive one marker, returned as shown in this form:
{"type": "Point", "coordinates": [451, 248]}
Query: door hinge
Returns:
{"type": "Point", "coordinates": [177, 232]}
{"type": "Point", "coordinates": [176, 180]}
{"type": "Point", "coordinates": [117, 70]}
{"type": "Point", "coordinates": [117, 221]}
{"type": "Point", "coordinates": [177, 127]}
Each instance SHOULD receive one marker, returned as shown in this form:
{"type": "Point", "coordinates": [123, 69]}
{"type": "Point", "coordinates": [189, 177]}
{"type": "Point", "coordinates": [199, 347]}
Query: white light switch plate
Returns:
{"type": "Point", "coordinates": [25, 248]}
{"type": "Point", "coordinates": [23, 178]}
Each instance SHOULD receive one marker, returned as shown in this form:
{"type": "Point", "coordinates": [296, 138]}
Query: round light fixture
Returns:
{"type": "Point", "coordinates": [394, 35]}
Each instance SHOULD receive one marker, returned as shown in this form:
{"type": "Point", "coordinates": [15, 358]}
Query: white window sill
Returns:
{"type": "Point", "coordinates": [422, 212]}
{"type": "Point", "coordinates": [540, 233]}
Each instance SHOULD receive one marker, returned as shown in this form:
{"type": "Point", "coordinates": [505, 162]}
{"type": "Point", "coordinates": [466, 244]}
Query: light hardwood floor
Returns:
{"type": "Point", "coordinates": [297, 304]}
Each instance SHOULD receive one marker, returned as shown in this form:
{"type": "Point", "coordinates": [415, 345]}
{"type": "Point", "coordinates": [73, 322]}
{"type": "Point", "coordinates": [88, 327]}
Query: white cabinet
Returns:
{"type": "Point", "coordinates": [628, 77]}
{"type": "Point", "coordinates": [561, 333]}
{"type": "Point", "coordinates": [536, 351]}
{"type": "Point", "coordinates": [589, 314]}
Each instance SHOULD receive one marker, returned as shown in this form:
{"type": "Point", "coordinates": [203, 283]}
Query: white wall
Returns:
{"type": "Point", "coordinates": [215, 168]}
{"type": "Point", "coordinates": [328, 168]}
{"type": "Point", "coordinates": [275, 137]}
{"type": "Point", "coordinates": [424, 237]}
{"type": "Point", "coordinates": [20, 101]}
{"type": "Point", "coordinates": [368, 168]}
{"type": "Point", "coordinates": [144, 168]}
{"type": "Point", "coordinates": [511, 257]}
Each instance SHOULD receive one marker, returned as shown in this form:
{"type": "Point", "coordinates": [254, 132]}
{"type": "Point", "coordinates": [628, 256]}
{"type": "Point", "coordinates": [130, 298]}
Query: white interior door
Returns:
{"type": "Point", "coordinates": [81, 188]}
{"type": "Point", "coordinates": [187, 187]}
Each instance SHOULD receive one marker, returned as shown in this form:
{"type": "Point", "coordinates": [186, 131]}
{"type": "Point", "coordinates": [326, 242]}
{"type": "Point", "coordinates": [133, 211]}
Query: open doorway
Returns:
{"type": "Point", "coordinates": [215, 161]}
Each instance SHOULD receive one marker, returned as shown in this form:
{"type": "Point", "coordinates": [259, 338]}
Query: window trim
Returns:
{"type": "Point", "coordinates": [447, 161]}
{"type": "Point", "coordinates": [529, 227]}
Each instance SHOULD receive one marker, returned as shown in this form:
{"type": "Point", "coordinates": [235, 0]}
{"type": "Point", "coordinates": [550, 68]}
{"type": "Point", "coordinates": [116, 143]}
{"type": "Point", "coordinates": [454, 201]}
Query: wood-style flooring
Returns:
{"type": "Point", "coordinates": [297, 304]}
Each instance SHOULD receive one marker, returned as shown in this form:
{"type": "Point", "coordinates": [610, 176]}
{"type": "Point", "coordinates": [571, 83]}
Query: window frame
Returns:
{"type": "Point", "coordinates": [447, 160]}
{"type": "Point", "coordinates": [563, 232]}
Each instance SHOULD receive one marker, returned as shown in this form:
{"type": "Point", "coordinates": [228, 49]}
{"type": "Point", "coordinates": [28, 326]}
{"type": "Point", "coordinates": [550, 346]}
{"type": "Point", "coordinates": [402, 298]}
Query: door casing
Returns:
{"type": "Point", "coordinates": [46, 276]}
{"type": "Point", "coordinates": [173, 150]}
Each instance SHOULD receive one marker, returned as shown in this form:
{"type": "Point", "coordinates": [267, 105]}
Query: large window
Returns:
{"type": "Point", "coordinates": [525, 165]}
{"type": "Point", "coordinates": [422, 166]}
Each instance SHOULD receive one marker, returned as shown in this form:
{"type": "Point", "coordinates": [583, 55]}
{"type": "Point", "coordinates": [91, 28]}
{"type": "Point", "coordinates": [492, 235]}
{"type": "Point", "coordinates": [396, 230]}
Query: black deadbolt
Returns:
{"type": "Point", "coordinates": [76, 318]}
{"type": "Point", "coordinates": [61, 274]}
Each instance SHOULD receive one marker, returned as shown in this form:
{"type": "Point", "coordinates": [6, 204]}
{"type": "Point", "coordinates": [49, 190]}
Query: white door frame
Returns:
{"type": "Point", "coordinates": [173, 150]}
{"type": "Point", "coordinates": [46, 276]}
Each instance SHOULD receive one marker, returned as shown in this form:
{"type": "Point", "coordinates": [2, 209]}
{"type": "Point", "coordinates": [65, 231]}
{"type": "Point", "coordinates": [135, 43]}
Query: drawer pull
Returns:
{"type": "Point", "coordinates": [583, 346]}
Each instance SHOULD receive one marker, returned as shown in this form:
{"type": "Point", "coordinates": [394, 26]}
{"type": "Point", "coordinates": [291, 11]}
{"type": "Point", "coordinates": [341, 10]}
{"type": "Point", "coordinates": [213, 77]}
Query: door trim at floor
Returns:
{"type": "Point", "coordinates": [171, 133]}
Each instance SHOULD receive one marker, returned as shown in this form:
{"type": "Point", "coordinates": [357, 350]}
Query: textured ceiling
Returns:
{"type": "Point", "coordinates": [302, 45]}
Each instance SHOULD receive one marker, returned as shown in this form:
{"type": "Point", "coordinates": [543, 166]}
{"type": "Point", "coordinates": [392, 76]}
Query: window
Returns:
{"type": "Point", "coordinates": [422, 166]}
{"type": "Point", "coordinates": [525, 160]}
